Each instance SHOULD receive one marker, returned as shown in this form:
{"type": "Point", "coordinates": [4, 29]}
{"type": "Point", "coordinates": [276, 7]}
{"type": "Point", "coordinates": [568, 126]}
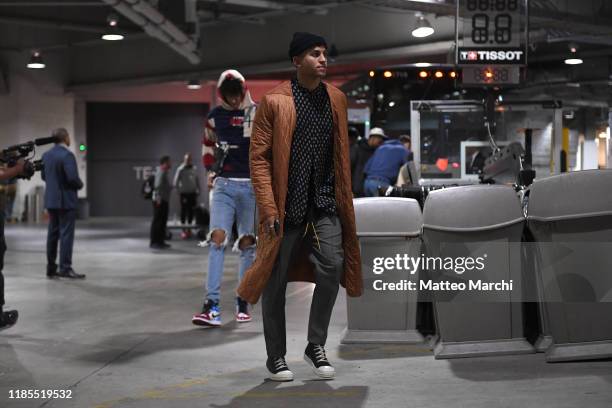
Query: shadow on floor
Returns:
{"type": "Point", "coordinates": [149, 343]}
{"type": "Point", "coordinates": [13, 374]}
{"type": "Point", "coordinates": [522, 367]}
{"type": "Point", "coordinates": [272, 394]}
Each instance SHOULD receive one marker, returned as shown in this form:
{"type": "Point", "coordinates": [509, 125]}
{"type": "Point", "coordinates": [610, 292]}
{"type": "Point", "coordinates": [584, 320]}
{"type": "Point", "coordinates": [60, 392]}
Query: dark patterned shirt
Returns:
{"type": "Point", "coordinates": [311, 166]}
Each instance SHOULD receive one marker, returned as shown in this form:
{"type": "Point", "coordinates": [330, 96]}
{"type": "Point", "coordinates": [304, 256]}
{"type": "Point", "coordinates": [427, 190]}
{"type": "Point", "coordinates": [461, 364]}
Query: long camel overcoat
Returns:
{"type": "Point", "coordinates": [273, 129]}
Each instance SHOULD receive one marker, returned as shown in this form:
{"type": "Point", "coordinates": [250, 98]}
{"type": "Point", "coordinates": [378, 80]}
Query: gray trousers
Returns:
{"type": "Point", "coordinates": [327, 256]}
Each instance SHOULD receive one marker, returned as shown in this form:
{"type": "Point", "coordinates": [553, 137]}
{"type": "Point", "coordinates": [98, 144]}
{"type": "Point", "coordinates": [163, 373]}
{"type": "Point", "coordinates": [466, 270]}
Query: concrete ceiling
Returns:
{"type": "Point", "coordinates": [253, 35]}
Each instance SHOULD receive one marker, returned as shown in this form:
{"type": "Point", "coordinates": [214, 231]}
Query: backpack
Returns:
{"type": "Point", "coordinates": [147, 187]}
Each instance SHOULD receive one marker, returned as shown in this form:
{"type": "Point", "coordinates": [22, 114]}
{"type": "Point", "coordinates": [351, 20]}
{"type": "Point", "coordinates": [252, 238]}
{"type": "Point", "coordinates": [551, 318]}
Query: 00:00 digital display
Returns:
{"type": "Point", "coordinates": [492, 5]}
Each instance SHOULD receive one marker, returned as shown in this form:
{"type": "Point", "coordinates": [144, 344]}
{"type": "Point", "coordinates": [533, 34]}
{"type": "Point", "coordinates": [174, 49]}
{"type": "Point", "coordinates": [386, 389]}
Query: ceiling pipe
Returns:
{"type": "Point", "coordinates": [55, 25]}
{"type": "Point", "coordinates": [157, 26]}
{"type": "Point", "coordinates": [419, 51]}
{"type": "Point", "coordinates": [23, 3]}
{"type": "Point", "coordinates": [162, 22]}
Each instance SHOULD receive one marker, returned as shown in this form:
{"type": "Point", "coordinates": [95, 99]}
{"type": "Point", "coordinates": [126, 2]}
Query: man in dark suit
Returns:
{"type": "Point", "coordinates": [62, 178]}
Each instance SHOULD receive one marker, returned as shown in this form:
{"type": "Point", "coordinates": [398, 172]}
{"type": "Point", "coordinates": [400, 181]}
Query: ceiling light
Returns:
{"type": "Point", "coordinates": [112, 36]}
{"type": "Point", "coordinates": [422, 64]}
{"type": "Point", "coordinates": [372, 73]}
{"type": "Point", "coordinates": [573, 59]}
{"type": "Point", "coordinates": [36, 61]}
{"type": "Point", "coordinates": [388, 74]}
{"type": "Point", "coordinates": [423, 74]}
{"type": "Point", "coordinates": [453, 74]}
{"type": "Point", "coordinates": [391, 104]}
{"type": "Point", "coordinates": [112, 33]}
{"type": "Point", "coordinates": [423, 27]}
{"type": "Point", "coordinates": [194, 84]}
{"type": "Point", "coordinates": [439, 74]}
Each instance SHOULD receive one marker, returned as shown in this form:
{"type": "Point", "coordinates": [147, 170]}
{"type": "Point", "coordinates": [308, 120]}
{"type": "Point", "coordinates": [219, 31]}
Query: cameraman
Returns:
{"type": "Point", "coordinates": [9, 318]}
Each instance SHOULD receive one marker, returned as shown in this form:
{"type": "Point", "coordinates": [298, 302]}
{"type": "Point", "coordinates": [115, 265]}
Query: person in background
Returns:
{"type": "Point", "coordinates": [360, 154]}
{"type": "Point", "coordinates": [383, 167]}
{"type": "Point", "coordinates": [62, 180]}
{"type": "Point", "coordinates": [161, 201]}
{"type": "Point", "coordinates": [407, 142]}
{"type": "Point", "coordinates": [187, 183]}
{"type": "Point", "coordinates": [353, 135]}
{"type": "Point", "coordinates": [7, 318]}
{"type": "Point", "coordinates": [228, 128]}
{"type": "Point", "coordinates": [404, 177]}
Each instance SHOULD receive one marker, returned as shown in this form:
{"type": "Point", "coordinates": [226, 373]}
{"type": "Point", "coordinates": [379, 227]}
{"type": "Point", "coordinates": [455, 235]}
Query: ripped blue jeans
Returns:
{"type": "Point", "coordinates": [232, 200]}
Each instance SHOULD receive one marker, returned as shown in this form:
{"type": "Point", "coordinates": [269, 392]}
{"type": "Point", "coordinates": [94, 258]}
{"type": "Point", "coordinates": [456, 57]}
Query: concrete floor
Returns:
{"type": "Point", "coordinates": [123, 338]}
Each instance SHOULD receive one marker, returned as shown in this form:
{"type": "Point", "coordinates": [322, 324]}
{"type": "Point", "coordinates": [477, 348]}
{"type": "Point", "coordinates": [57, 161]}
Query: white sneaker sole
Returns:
{"type": "Point", "coordinates": [203, 322]}
{"type": "Point", "coordinates": [243, 318]}
{"type": "Point", "coordinates": [282, 376]}
{"type": "Point", "coordinates": [328, 373]}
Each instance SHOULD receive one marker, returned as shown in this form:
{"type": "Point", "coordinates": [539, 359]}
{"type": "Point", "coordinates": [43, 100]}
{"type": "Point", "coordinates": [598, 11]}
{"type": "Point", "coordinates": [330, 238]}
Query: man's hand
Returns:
{"type": "Point", "coordinates": [272, 226]}
{"type": "Point", "coordinates": [14, 171]}
{"type": "Point", "coordinates": [18, 167]}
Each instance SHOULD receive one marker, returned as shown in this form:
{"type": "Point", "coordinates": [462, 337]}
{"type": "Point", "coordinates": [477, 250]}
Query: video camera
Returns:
{"type": "Point", "coordinates": [26, 151]}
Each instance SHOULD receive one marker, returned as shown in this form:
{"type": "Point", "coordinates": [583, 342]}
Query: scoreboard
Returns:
{"type": "Point", "coordinates": [491, 41]}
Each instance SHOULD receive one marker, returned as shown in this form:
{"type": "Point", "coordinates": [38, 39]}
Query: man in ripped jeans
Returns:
{"type": "Point", "coordinates": [226, 157]}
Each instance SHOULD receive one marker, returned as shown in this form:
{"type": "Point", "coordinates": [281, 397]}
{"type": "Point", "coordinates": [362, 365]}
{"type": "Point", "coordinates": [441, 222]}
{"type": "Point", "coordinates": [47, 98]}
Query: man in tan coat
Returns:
{"type": "Point", "coordinates": [300, 170]}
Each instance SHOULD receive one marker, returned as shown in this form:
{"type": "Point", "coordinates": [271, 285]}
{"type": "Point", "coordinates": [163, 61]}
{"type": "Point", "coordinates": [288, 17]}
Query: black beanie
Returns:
{"type": "Point", "coordinates": [303, 41]}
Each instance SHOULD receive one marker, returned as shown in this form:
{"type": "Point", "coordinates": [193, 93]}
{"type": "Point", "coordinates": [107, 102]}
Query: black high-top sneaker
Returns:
{"type": "Point", "coordinates": [277, 366]}
{"type": "Point", "coordinates": [242, 311]}
{"type": "Point", "coordinates": [8, 319]}
{"type": "Point", "coordinates": [315, 356]}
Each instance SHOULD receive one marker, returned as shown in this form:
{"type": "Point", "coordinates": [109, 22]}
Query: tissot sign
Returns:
{"type": "Point", "coordinates": [491, 56]}
{"type": "Point", "coordinates": [491, 42]}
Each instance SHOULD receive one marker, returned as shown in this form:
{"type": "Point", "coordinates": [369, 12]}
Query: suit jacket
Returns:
{"type": "Point", "coordinates": [62, 178]}
{"type": "Point", "coordinates": [270, 149]}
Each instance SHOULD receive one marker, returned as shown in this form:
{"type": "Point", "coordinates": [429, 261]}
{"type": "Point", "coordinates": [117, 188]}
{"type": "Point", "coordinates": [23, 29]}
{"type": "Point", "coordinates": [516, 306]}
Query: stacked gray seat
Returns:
{"type": "Point", "coordinates": [386, 226]}
{"type": "Point", "coordinates": [477, 221]}
{"type": "Point", "coordinates": [570, 216]}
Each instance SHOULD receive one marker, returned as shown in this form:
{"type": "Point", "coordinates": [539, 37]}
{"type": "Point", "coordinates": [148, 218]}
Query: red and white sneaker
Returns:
{"type": "Point", "coordinates": [242, 311]}
{"type": "Point", "coordinates": [210, 316]}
